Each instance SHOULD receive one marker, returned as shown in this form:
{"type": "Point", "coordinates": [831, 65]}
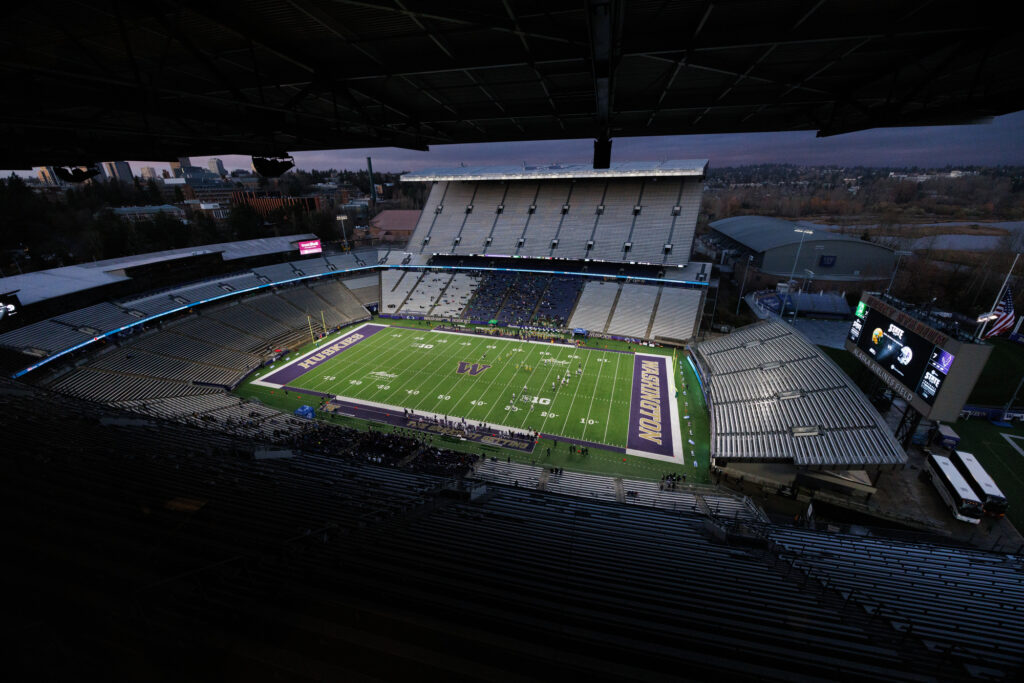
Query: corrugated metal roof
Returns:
{"type": "Point", "coordinates": [677, 167]}
{"type": "Point", "coordinates": [761, 233]}
{"type": "Point", "coordinates": [47, 284]}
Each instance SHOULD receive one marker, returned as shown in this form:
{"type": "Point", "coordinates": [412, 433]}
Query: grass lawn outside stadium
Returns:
{"type": "Point", "coordinates": [409, 366]}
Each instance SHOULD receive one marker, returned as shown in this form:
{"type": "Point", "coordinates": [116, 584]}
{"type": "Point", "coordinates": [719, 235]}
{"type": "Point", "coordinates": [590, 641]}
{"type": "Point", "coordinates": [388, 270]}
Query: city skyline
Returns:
{"type": "Point", "coordinates": [1000, 142]}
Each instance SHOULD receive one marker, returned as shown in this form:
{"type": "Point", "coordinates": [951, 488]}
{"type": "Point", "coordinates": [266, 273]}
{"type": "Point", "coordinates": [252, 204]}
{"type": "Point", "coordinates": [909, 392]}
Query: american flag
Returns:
{"type": "Point", "coordinates": [1004, 313]}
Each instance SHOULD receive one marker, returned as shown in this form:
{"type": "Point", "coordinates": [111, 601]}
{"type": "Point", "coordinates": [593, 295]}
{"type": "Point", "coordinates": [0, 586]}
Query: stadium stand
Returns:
{"type": "Point", "coordinates": [204, 327]}
{"type": "Point", "coordinates": [543, 226]}
{"type": "Point", "coordinates": [366, 288]}
{"type": "Point", "coordinates": [316, 307]}
{"type": "Point", "coordinates": [677, 314]}
{"type": "Point", "coordinates": [200, 549]}
{"type": "Point", "coordinates": [615, 223]}
{"type": "Point", "coordinates": [272, 306]}
{"type": "Point", "coordinates": [154, 304]}
{"type": "Point", "coordinates": [504, 236]}
{"type": "Point", "coordinates": [135, 361]}
{"type": "Point", "coordinates": [313, 266]}
{"type": "Point", "coordinates": [558, 302]}
{"type": "Point", "coordinates": [478, 222]}
{"type": "Point", "coordinates": [774, 396]}
{"type": "Point", "coordinates": [423, 297]}
{"type": "Point", "coordinates": [218, 347]}
{"type": "Point", "coordinates": [595, 306]}
{"type": "Point", "coordinates": [100, 318]}
{"type": "Point", "coordinates": [578, 224]}
{"type": "Point", "coordinates": [526, 292]}
{"type": "Point", "coordinates": [172, 342]}
{"type": "Point", "coordinates": [341, 299]}
{"type": "Point", "coordinates": [249, 320]}
{"type": "Point", "coordinates": [580, 485]}
{"type": "Point", "coordinates": [633, 310]}
{"type": "Point", "coordinates": [43, 338]}
{"type": "Point", "coordinates": [276, 273]}
{"type": "Point", "coordinates": [963, 603]}
{"type": "Point", "coordinates": [453, 300]}
{"type": "Point", "coordinates": [489, 296]}
{"type": "Point", "coordinates": [684, 224]}
{"type": "Point", "coordinates": [99, 385]}
{"type": "Point", "coordinates": [649, 233]}
{"type": "Point", "coordinates": [447, 224]}
{"type": "Point", "coordinates": [395, 287]}
{"type": "Point", "coordinates": [563, 211]}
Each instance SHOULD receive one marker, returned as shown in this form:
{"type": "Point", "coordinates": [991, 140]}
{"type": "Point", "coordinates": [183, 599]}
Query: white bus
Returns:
{"type": "Point", "coordinates": [954, 490]}
{"type": "Point", "coordinates": [992, 499]}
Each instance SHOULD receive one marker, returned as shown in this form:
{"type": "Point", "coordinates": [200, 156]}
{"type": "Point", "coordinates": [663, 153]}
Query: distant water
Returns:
{"type": "Point", "coordinates": [1008, 225]}
{"type": "Point", "coordinates": [950, 241]}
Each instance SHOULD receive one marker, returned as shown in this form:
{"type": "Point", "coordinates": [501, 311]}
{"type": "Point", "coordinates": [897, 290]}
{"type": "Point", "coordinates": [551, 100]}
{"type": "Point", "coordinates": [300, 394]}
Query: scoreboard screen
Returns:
{"type": "Point", "coordinates": [9, 307]}
{"type": "Point", "coordinates": [914, 361]}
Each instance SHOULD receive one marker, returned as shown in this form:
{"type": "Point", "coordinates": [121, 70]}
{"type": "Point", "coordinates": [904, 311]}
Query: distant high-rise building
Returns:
{"type": "Point", "coordinates": [117, 170]}
{"type": "Point", "coordinates": [216, 166]}
{"type": "Point", "coordinates": [148, 173]}
{"type": "Point", "coordinates": [178, 166]}
{"type": "Point", "coordinates": [47, 176]}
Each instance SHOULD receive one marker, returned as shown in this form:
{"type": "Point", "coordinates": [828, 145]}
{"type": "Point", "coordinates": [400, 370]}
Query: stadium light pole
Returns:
{"type": "Point", "coordinates": [899, 254]}
{"type": "Point", "coordinates": [804, 232]}
{"type": "Point", "coordinates": [750, 259]}
{"type": "Point", "coordinates": [796, 302]}
{"type": "Point", "coordinates": [341, 219]}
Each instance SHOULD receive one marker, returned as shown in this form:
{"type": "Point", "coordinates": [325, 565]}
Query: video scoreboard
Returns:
{"type": "Point", "coordinates": [931, 371]}
{"type": "Point", "coordinates": [916, 363]}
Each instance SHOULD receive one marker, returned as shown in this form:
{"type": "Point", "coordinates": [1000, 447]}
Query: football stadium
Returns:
{"type": "Point", "coordinates": [515, 445]}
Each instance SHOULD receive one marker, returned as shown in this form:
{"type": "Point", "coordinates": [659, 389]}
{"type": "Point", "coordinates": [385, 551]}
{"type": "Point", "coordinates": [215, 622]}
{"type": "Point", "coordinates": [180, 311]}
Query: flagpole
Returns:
{"type": "Point", "coordinates": [999, 295]}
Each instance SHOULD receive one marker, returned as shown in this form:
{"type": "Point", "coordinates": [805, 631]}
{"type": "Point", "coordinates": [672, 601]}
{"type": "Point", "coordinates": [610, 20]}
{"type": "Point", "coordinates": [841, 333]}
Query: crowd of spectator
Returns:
{"type": "Point", "coordinates": [671, 481]}
{"type": "Point", "coordinates": [406, 448]}
{"type": "Point", "coordinates": [527, 290]}
{"type": "Point", "coordinates": [488, 297]}
{"type": "Point", "coordinates": [525, 299]}
{"type": "Point", "coordinates": [556, 306]}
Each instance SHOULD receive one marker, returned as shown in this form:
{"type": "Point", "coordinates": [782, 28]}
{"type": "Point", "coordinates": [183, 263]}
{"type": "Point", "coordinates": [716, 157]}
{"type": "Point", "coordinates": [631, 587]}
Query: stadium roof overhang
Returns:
{"type": "Point", "coordinates": [691, 168]}
{"type": "Point", "coordinates": [88, 81]}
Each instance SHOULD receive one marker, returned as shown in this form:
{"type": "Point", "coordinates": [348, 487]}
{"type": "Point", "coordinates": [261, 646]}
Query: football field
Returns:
{"type": "Point", "coordinates": [588, 396]}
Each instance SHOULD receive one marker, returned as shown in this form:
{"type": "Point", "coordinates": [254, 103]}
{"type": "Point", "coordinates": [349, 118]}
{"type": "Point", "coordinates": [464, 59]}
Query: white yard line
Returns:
{"type": "Point", "coordinates": [444, 357]}
{"type": "Point", "coordinates": [491, 383]}
{"type": "Point", "coordinates": [551, 368]}
{"type": "Point", "coordinates": [472, 352]}
{"type": "Point", "coordinates": [349, 370]}
{"type": "Point", "coordinates": [611, 402]}
{"type": "Point", "coordinates": [569, 411]}
{"type": "Point", "coordinates": [673, 411]}
{"type": "Point", "coordinates": [593, 395]}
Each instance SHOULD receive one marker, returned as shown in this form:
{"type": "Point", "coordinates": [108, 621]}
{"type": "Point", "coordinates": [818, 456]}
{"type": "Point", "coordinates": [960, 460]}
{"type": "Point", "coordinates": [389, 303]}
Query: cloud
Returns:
{"type": "Point", "coordinates": [998, 143]}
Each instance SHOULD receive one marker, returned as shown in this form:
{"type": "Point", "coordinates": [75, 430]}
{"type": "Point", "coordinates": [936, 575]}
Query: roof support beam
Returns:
{"type": "Point", "coordinates": [708, 6]}
{"type": "Point", "coordinates": [604, 25]}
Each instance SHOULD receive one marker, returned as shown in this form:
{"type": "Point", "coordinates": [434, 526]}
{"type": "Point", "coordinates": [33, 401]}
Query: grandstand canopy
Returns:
{"type": "Point", "coordinates": [48, 284]}
{"type": "Point", "coordinates": [632, 169]}
{"type": "Point", "coordinates": [88, 81]}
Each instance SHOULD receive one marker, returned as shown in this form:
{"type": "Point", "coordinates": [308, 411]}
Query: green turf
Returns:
{"type": "Point", "coordinates": [1000, 376]}
{"type": "Point", "coordinates": [1004, 464]}
{"type": "Point", "coordinates": [418, 370]}
{"type": "Point", "coordinates": [547, 452]}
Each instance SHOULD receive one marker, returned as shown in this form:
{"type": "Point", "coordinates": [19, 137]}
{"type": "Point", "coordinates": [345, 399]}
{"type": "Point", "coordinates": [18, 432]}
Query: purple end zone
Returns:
{"type": "Point", "coordinates": [326, 352]}
{"type": "Point", "coordinates": [650, 413]}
